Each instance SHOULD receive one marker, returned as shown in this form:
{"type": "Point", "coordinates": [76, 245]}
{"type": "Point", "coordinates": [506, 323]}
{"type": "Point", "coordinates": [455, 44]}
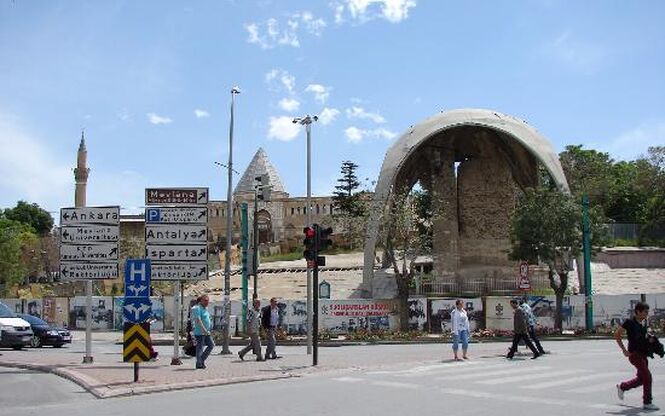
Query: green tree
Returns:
{"type": "Point", "coordinates": [654, 224]}
{"type": "Point", "coordinates": [346, 197]}
{"type": "Point", "coordinates": [33, 215]}
{"type": "Point", "coordinates": [547, 228]}
{"type": "Point", "coordinates": [16, 240]}
{"type": "Point", "coordinates": [403, 244]}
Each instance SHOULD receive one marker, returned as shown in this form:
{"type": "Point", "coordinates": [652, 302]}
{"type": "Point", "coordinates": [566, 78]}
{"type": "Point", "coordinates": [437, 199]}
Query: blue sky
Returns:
{"type": "Point", "coordinates": [150, 80]}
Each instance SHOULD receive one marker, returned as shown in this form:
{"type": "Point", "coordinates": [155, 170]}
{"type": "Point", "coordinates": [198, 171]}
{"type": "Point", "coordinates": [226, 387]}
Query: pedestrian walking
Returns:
{"type": "Point", "coordinates": [253, 322]}
{"type": "Point", "coordinates": [531, 325]}
{"type": "Point", "coordinates": [270, 322]}
{"type": "Point", "coordinates": [460, 329]}
{"type": "Point", "coordinates": [520, 328]}
{"type": "Point", "coordinates": [636, 330]}
{"type": "Point", "coordinates": [202, 326]}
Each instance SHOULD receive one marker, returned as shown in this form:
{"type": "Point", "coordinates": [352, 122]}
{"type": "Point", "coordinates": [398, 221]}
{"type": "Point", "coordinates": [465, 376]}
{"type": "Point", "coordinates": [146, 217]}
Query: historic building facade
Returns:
{"type": "Point", "coordinates": [280, 220]}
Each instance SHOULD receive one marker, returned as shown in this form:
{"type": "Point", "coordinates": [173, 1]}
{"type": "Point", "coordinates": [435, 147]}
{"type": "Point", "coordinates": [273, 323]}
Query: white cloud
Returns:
{"type": "Point", "coordinates": [359, 112]}
{"type": "Point", "coordinates": [283, 129]}
{"type": "Point", "coordinates": [201, 113]}
{"type": "Point", "coordinates": [328, 115]}
{"type": "Point", "coordinates": [272, 33]}
{"type": "Point", "coordinates": [356, 135]}
{"type": "Point", "coordinates": [289, 104]}
{"type": "Point", "coordinates": [157, 119]}
{"type": "Point", "coordinates": [123, 114]}
{"type": "Point", "coordinates": [31, 171]}
{"type": "Point", "coordinates": [576, 54]}
{"type": "Point", "coordinates": [321, 93]}
{"type": "Point", "coordinates": [634, 142]}
{"type": "Point", "coordinates": [287, 80]}
{"type": "Point", "coordinates": [362, 11]}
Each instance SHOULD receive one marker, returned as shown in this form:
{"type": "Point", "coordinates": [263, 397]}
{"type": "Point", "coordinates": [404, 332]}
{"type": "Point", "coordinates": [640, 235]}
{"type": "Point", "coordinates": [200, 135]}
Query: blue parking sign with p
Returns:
{"type": "Point", "coordinates": [152, 215]}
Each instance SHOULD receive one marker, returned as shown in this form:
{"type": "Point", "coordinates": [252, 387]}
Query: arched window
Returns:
{"type": "Point", "coordinates": [317, 209]}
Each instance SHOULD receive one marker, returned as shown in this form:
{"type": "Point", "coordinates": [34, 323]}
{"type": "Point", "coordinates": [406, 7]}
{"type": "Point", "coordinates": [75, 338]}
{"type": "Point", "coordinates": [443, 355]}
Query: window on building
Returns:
{"type": "Point", "coordinates": [317, 209]}
{"type": "Point", "coordinates": [292, 211]}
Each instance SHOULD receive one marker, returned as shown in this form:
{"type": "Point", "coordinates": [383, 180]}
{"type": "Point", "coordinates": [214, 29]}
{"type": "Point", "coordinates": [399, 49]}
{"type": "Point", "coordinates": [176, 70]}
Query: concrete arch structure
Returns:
{"type": "Point", "coordinates": [519, 141]}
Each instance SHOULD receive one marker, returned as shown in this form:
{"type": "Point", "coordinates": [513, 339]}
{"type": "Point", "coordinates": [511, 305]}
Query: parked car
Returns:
{"type": "Point", "coordinates": [46, 334]}
{"type": "Point", "coordinates": [14, 331]}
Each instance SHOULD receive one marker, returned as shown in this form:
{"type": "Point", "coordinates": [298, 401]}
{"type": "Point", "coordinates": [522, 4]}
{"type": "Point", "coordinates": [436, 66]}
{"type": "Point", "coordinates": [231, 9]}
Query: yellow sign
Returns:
{"type": "Point", "coordinates": [137, 343]}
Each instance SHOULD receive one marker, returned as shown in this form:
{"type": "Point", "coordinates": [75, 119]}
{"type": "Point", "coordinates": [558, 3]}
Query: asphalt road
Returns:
{"type": "Point", "coordinates": [578, 378]}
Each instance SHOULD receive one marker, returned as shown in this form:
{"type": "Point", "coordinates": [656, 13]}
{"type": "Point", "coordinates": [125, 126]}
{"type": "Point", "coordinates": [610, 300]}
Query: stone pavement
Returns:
{"type": "Point", "coordinates": [108, 376]}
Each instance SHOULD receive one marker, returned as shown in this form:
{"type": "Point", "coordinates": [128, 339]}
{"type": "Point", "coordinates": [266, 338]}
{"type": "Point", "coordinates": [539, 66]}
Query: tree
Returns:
{"type": "Point", "coordinates": [350, 214]}
{"type": "Point", "coordinates": [15, 242]}
{"type": "Point", "coordinates": [654, 224]}
{"type": "Point", "coordinates": [547, 228]}
{"type": "Point", "coordinates": [345, 197]}
{"type": "Point", "coordinates": [33, 215]}
{"type": "Point", "coordinates": [402, 245]}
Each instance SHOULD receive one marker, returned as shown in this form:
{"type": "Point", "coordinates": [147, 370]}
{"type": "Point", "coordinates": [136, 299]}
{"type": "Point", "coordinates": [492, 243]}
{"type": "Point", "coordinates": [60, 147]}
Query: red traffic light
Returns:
{"type": "Point", "coordinates": [309, 232]}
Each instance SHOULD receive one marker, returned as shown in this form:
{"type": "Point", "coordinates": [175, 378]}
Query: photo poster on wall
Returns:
{"type": "Point", "coordinates": [343, 316]}
{"type": "Point", "coordinates": [418, 314]}
{"type": "Point", "coordinates": [55, 310]}
{"type": "Point", "coordinates": [102, 312]}
{"type": "Point", "coordinates": [440, 313]}
{"type": "Point", "coordinates": [16, 305]}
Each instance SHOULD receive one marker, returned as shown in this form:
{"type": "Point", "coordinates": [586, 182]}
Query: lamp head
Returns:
{"type": "Point", "coordinates": [235, 90]}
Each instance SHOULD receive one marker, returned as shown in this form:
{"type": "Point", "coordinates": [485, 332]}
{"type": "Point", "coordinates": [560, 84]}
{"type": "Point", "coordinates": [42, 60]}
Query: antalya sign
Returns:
{"type": "Point", "coordinates": [175, 233]}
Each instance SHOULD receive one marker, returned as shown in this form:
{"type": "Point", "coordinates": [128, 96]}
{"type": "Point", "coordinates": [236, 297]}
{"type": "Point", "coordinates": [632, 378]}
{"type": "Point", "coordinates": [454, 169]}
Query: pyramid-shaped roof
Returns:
{"type": "Point", "coordinates": [259, 165]}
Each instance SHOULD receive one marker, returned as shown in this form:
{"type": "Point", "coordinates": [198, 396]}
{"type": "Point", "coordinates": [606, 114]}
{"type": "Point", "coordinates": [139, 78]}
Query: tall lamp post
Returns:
{"type": "Point", "coordinates": [307, 122]}
{"type": "Point", "coordinates": [229, 234]}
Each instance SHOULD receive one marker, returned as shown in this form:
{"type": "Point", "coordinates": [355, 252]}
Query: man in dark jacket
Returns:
{"type": "Point", "coordinates": [270, 322]}
{"type": "Point", "coordinates": [520, 328]}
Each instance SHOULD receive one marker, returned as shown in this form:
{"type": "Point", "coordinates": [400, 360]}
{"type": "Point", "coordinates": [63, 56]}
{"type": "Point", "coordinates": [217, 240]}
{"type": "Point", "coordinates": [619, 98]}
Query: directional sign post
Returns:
{"type": "Point", "coordinates": [176, 237]}
{"type": "Point", "coordinates": [89, 251]}
{"type": "Point", "coordinates": [136, 345]}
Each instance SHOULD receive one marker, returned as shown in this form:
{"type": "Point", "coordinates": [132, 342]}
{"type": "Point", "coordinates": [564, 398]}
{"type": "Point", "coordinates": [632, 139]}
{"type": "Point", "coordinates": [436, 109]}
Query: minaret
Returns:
{"type": "Point", "coordinates": [81, 174]}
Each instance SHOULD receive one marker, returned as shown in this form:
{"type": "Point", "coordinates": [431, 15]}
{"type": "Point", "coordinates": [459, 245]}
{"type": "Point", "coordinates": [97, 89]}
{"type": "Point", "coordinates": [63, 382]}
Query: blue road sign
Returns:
{"type": "Point", "coordinates": [152, 214]}
{"type": "Point", "coordinates": [137, 310]}
{"type": "Point", "coordinates": [137, 278]}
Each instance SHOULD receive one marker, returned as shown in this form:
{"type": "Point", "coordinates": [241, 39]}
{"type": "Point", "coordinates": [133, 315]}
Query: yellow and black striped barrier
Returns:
{"type": "Point", "coordinates": [136, 346]}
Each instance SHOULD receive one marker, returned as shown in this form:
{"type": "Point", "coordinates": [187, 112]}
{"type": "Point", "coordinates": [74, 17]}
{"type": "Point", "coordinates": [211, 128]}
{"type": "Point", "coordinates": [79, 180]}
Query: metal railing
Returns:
{"type": "Point", "coordinates": [475, 287]}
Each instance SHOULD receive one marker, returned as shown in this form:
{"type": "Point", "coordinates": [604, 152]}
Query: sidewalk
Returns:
{"type": "Point", "coordinates": [108, 376]}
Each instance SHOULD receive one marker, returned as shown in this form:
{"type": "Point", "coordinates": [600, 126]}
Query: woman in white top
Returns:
{"type": "Point", "coordinates": [460, 329]}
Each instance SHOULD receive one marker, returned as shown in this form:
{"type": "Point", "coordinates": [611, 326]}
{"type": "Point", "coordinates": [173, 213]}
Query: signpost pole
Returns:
{"type": "Point", "coordinates": [588, 304]}
{"type": "Point", "coordinates": [308, 129]}
{"type": "Point", "coordinates": [175, 360]}
{"type": "Point", "coordinates": [88, 322]}
{"type": "Point", "coordinates": [136, 372]}
{"type": "Point", "coordinates": [244, 242]}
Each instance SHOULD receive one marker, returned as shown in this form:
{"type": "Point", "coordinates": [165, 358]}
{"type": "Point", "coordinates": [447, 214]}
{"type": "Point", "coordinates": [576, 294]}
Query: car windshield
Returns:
{"type": "Point", "coordinates": [5, 312]}
{"type": "Point", "coordinates": [33, 320]}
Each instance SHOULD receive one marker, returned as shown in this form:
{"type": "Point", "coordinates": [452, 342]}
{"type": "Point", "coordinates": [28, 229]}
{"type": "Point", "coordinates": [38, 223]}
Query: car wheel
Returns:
{"type": "Point", "coordinates": [35, 342]}
{"type": "Point", "coordinates": [57, 345]}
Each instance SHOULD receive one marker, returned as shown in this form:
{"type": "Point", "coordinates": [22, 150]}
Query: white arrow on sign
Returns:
{"type": "Point", "coordinates": [90, 215]}
{"type": "Point", "coordinates": [137, 311]}
{"type": "Point", "coordinates": [136, 290]}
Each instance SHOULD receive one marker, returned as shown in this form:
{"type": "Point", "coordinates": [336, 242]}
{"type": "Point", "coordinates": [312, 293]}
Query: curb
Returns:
{"type": "Point", "coordinates": [101, 391]}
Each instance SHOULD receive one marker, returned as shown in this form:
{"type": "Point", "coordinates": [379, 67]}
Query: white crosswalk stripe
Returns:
{"type": "Point", "coordinates": [563, 382]}
{"type": "Point", "coordinates": [457, 369]}
{"type": "Point", "coordinates": [428, 368]}
{"type": "Point", "coordinates": [530, 376]}
{"type": "Point", "coordinates": [519, 370]}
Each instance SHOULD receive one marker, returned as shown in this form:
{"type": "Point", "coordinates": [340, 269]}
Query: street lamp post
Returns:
{"type": "Point", "coordinates": [229, 234]}
{"type": "Point", "coordinates": [307, 122]}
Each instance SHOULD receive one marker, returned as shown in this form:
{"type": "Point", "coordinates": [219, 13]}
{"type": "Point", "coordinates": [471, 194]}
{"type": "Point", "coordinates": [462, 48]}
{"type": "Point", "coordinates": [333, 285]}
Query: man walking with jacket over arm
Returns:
{"type": "Point", "coordinates": [520, 328]}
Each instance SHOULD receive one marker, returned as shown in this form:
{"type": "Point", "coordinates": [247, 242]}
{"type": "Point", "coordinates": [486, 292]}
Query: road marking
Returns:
{"type": "Point", "coordinates": [462, 369]}
{"type": "Point", "coordinates": [395, 384]}
{"type": "Point", "coordinates": [530, 376]}
{"type": "Point", "coordinates": [527, 399]}
{"type": "Point", "coordinates": [548, 384]}
{"type": "Point", "coordinates": [427, 368]}
{"type": "Point", "coordinates": [495, 373]}
{"type": "Point", "coordinates": [349, 379]}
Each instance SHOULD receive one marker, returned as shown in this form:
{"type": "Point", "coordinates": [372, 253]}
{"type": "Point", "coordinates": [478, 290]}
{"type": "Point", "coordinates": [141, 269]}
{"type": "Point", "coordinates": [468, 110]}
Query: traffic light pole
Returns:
{"type": "Point", "coordinates": [586, 234]}
{"type": "Point", "coordinates": [315, 315]}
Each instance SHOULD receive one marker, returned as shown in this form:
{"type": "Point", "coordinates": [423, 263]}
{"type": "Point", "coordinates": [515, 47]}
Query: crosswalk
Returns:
{"type": "Point", "coordinates": [547, 382]}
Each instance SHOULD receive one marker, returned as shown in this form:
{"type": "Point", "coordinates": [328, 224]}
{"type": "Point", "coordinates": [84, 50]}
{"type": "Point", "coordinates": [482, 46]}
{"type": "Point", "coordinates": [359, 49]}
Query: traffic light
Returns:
{"type": "Point", "coordinates": [323, 240]}
{"type": "Point", "coordinates": [309, 242]}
